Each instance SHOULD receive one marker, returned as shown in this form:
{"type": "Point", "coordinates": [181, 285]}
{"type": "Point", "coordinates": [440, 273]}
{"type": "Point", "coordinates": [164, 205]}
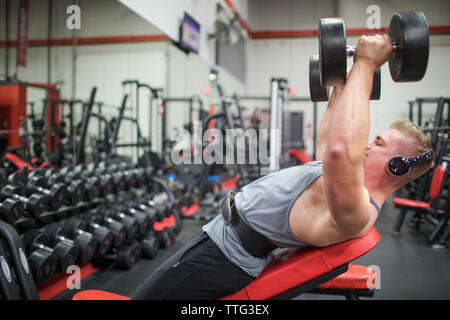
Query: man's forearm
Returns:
{"type": "Point", "coordinates": [349, 125]}
{"type": "Point", "coordinates": [322, 134]}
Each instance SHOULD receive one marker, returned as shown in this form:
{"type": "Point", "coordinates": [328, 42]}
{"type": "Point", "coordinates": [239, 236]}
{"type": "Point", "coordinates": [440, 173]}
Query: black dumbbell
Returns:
{"type": "Point", "coordinates": [75, 188]}
{"type": "Point", "coordinates": [149, 246]}
{"type": "Point", "coordinates": [42, 258]}
{"type": "Point", "coordinates": [128, 255]}
{"type": "Point", "coordinates": [129, 222]}
{"type": "Point", "coordinates": [130, 175]}
{"type": "Point", "coordinates": [117, 229]}
{"type": "Point", "coordinates": [56, 194]}
{"type": "Point", "coordinates": [410, 49]}
{"type": "Point", "coordinates": [90, 189]}
{"type": "Point", "coordinates": [125, 177]}
{"type": "Point", "coordinates": [11, 210]}
{"type": "Point", "coordinates": [92, 186]}
{"type": "Point", "coordinates": [36, 204]}
{"type": "Point", "coordinates": [106, 182]}
{"type": "Point", "coordinates": [102, 234]}
{"type": "Point", "coordinates": [18, 179]}
{"type": "Point", "coordinates": [141, 176]}
{"type": "Point", "coordinates": [66, 249]}
{"type": "Point", "coordinates": [151, 212]}
{"type": "Point", "coordinates": [148, 203]}
{"type": "Point", "coordinates": [165, 237]}
{"type": "Point", "coordinates": [123, 258]}
{"type": "Point", "coordinates": [85, 240]}
{"type": "Point", "coordinates": [143, 220]}
{"type": "Point", "coordinates": [117, 179]}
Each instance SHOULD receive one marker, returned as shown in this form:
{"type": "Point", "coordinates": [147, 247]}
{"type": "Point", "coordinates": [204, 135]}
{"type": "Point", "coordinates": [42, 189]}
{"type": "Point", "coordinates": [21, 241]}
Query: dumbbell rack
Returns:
{"type": "Point", "coordinates": [58, 282]}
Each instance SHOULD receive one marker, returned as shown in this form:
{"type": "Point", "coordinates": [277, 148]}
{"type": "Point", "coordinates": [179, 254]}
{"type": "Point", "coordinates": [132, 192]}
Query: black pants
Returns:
{"type": "Point", "coordinates": [199, 270]}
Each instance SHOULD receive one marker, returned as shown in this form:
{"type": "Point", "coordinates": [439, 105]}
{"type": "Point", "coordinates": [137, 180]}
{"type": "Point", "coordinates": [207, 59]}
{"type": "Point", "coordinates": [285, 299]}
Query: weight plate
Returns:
{"type": "Point", "coordinates": [376, 86]}
{"type": "Point", "coordinates": [409, 31]}
{"type": "Point", "coordinates": [332, 52]}
{"type": "Point", "coordinates": [316, 91]}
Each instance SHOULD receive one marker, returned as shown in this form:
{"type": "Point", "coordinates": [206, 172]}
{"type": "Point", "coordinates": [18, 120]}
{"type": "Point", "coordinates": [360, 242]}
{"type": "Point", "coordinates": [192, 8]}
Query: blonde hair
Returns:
{"type": "Point", "coordinates": [423, 144]}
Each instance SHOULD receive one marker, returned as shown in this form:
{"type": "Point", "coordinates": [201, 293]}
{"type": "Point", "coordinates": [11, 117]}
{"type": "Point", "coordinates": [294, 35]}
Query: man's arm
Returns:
{"type": "Point", "coordinates": [322, 134]}
{"type": "Point", "coordinates": [343, 175]}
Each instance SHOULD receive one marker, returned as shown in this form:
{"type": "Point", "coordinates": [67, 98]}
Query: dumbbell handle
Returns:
{"type": "Point", "coordinates": [18, 197]}
{"type": "Point", "coordinates": [350, 50]}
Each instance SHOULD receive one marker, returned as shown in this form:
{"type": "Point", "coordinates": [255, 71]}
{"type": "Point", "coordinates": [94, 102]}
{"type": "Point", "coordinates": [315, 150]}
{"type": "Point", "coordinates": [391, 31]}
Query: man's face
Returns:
{"type": "Point", "coordinates": [379, 151]}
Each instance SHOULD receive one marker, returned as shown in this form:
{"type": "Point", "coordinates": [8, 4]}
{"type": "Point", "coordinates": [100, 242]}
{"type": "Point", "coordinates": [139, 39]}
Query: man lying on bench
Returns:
{"type": "Point", "coordinates": [317, 204]}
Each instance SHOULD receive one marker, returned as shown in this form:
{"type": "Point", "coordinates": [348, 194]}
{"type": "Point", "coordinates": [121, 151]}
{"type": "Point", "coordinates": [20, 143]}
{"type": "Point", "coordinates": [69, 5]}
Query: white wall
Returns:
{"type": "Point", "coordinates": [289, 58]}
{"type": "Point", "coordinates": [167, 16]}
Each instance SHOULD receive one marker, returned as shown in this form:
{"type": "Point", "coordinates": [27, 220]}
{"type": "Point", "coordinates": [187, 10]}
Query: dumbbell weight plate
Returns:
{"type": "Point", "coordinates": [317, 92]}
{"type": "Point", "coordinates": [149, 246]}
{"type": "Point", "coordinates": [332, 52]}
{"type": "Point", "coordinates": [127, 256]}
{"type": "Point", "coordinates": [67, 253]}
{"type": "Point", "coordinates": [88, 246]}
{"type": "Point", "coordinates": [42, 258]}
{"type": "Point", "coordinates": [75, 192]}
{"type": "Point", "coordinates": [11, 210]}
{"type": "Point", "coordinates": [164, 238]}
{"type": "Point", "coordinates": [409, 31]}
{"type": "Point", "coordinates": [104, 237]}
{"type": "Point", "coordinates": [18, 179]}
{"type": "Point", "coordinates": [376, 87]}
{"type": "Point", "coordinates": [43, 265]}
{"type": "Point", "coordinates": [37, 204]}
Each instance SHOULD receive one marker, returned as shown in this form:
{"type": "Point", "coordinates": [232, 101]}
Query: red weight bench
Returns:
{"type": "Point", "coordinates": [300, 272]}
{"type": "Point", "coordinates": [422, 207]}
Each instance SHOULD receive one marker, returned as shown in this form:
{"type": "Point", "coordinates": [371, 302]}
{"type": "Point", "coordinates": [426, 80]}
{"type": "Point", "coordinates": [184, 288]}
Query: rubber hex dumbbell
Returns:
{"type": "Point", "coordinates": [165, 237]}
{"type": "Point", "coordinates": [149, 246]}
{"type": "Point", "coordinates": [59, 237]}
{"type": "Point", "coordinates": [118, 182]}
{"type": "Point", "coordinates": [75, 188]}
{"type": "Point", "coordinates": [85, 240]}
{"type": "Point", "coordinates": [92, 186]}
{"type": "Point", "coordinates": [117, 229]}
{"type": "Point", "coordinates": [130, 223]}
{"type": "Point", "coordinates": [128, 180]}
{"type": "Point", "coordinates": [56, 194]}
{"type": "Point", "coordinates": [143, 220]}
{"type": "Point", "coordinates": [18, 179]}
{"type": "Point", "coordinates": [160, 210]}
{"type": "Point", "coordinates": [149, 211]}
{"type": "Point", "coordinates": [104, 237]}
{"type": "Point", "coordinates": [42, 258]}
{"type": "Point", "coordinates": [130, 175]}
{"type": "Point", "coordinates": [106, 182]}
{"type": "Point", "coordinates": [35, 205]}
{"type": "Point", "coordinates": [128, 255]}
{"type": "Point", "coordinates": [11, 210]}
{"type": "Point", "coordinates": [141, 176]}
{"type": "Point", "coordinates": [123, 258]}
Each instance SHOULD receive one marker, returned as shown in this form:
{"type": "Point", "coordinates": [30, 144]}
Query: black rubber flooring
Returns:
{"type": "Point", "coordinates": [408, 267]}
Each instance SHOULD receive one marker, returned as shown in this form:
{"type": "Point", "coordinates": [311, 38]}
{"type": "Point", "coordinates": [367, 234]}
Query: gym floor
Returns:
{"type": "Point", "coordinates": [409, 267]}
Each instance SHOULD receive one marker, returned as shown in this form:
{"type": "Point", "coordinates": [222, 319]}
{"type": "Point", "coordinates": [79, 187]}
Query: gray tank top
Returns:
{"type": "Point", "coordinates": [266, 204]}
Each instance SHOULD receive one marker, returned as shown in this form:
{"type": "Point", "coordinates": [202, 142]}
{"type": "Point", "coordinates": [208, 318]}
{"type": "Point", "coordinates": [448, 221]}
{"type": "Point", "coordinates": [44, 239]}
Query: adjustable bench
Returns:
{"type": "Point", "coordinates": [426, 209]}
{"type": "Point", "coordinates": [304, 270]}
